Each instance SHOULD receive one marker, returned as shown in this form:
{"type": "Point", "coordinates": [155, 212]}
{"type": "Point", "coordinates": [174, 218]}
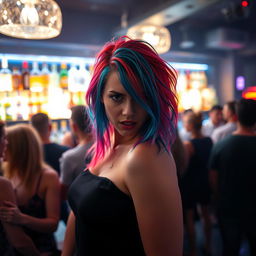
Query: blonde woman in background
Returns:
{"type": "Point", "coordinates": [12, 238]}
{"type": "Point", "coordinates": [36, 187]}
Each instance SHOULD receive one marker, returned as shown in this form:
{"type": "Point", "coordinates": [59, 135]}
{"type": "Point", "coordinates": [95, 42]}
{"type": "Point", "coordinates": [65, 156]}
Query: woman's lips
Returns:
{"type": "Point", "coordinates": [128, 125]}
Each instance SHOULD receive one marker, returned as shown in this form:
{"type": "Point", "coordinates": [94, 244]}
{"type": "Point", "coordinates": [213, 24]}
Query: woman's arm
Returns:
{"type": "Point", "coordinates": [16, 236]}
{"type": "Point", "coordinates": [52, 201]}
{"type": "Point", "coordinates": [152, 182]}
{"type": "Point", "coordinates": [69, 241]}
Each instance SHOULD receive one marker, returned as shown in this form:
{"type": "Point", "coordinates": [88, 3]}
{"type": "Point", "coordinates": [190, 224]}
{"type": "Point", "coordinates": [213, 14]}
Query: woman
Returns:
{"type": "Point", "coordinates": [127, 202]}
{"type": "Point", "coordinates": [195, 188]}
{"type": "Point", "coordinates": [12, 238]}
{"type": "Point", "coordinates": [36, 186]}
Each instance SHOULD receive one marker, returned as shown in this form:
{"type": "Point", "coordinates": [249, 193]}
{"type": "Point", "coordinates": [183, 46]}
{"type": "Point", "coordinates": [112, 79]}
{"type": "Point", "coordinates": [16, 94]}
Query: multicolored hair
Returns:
{"type": "Point", "coordinates": [148, 79]}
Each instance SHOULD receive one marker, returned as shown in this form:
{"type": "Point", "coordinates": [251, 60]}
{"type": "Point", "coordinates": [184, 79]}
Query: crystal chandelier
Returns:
{"type": "Point", "coordinates": [30, 19]}
{"type": "Point", "coordinates": [159, 37]}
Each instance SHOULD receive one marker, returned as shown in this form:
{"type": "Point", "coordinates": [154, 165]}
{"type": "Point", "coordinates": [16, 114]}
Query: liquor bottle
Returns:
{"type": "Point", "coordinates": [16, 79]}
{"type": "Point", "coordinates": [5, 77]}
{"type": "Point", "coordinates": [71, 100]}
{"type": "Point", "coordinates": [45, 75]}
{"type": "Point", "coordinates": [44, 102]}
{"type": "Point", "coordinates": [38, 102]}
{"type": "Point", "coordinates": [33, 109]}
{"type": "Point", "coordinates": [203, 79]}
{"type": "Point", "coordinates": [188, 77]}
{"type": "Point", "coordinates": [18, 107]}
{"type": "Point", "coordinates": [25, 76]}
{"type": "Point", "coordinates": [63, 76]}
{"type": "Point", "coordinates": [2, 112]}
{"type": "Point", "coordinates": [84, 78]}
{"type": "Point", "coordinates": [35, 80]}
{"type": "Point", "coordinates": [54, 77]}
{"type": "Point", "coordinates": [195, 80]}
{"type": "Point", "coordinates": [7, 108]}
{"type": "Point", "coordinates": [81, 98]}
{"type": "Point", "coordinates": [73, 77]}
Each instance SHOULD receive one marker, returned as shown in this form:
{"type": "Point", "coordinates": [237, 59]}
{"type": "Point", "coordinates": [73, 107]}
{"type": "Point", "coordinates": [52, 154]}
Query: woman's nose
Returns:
{"type": "Point", "coordinates": [128, 108]}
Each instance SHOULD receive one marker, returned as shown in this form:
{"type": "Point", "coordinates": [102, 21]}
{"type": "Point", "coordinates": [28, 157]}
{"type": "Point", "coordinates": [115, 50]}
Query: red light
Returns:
{"type": "Point", "coordinates": [244, 3]}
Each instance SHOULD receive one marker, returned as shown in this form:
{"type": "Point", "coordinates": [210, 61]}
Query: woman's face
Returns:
{"type": "Point", "coordinates": [122, 111]}
{"type": "Point", "coordinates": [188, 125]}
{"type": "Point", "coordinates": [3, 144]}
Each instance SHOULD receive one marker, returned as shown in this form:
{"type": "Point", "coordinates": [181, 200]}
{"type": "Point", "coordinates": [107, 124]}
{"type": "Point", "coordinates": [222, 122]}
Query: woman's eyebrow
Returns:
{"type": "Point", "coordinates": [112, 91]}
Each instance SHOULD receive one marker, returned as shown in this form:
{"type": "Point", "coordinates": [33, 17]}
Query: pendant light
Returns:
{"type": "Point", "coordinates": [158, 36]}
{"type": "Point", "coordinates": [30, 19]}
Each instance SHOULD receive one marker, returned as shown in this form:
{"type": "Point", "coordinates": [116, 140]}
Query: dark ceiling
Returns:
{"type": "Point", "coordinates": [91, 23]}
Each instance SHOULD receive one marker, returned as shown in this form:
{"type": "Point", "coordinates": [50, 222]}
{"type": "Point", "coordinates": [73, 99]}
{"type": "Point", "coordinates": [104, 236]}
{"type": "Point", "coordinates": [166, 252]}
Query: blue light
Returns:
{"type": "Point", "coordinates": [87, 60]}
{"type": "Point", "coordinates": [44, 58]}
{"type": "Point", "coordinates": [189, 66]}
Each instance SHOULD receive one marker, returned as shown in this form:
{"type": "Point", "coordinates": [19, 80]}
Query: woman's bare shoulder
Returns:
{"type": "Point", "coordinates": [49, 171]}
{"type": "Point", "coordinates": [50, 175]}
{"type": "Point", "coordinates": [5, 184]}
{"type": "Point", "coordinates": [148, 156]}
{"type": "Point", "coordinates": [146, 150]}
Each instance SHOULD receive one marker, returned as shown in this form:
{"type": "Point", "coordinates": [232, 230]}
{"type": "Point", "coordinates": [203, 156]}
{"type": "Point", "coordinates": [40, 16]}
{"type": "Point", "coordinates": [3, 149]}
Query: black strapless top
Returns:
{"type": "Point", "coordinates": [106, 222]}
{"type": "Point", "coordinates": [36, 207]}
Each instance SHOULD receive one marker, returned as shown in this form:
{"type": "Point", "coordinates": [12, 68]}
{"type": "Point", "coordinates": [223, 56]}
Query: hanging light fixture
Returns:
{"type": "Point", "coordinates": [30, 19]}
{"type": "Point", "coordinates": [159, 37]}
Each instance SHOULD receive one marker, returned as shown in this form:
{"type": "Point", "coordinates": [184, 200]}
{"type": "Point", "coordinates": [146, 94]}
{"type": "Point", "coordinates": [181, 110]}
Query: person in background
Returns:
{"type": "Point", "coordinates": [127, 202]}
{"type": "Point", "coordinates": [194, 184]}
{"type": "Point", "coordinates": [215, 120]}
{"type": "Point", "coordinates": [229, 115]}
{"type": "Point", "coordinates": [3, 144]}
{"type": "Point", "coordinates": [233, 179]}
{"type": "Point", "coordinates": [74, 161]}
{"type": "Point", "coordinates": [13, 240]}
{"type": "Point", "coordinates": [36, 187]}
{"type": "Point", "coordinates": [52, 151]}
{"type": "Point", "coordinates": [184, 134]}
{"type": "Point", "coordinates": [179, 155]}
{"type": "Point", "coordinates": [69, 139]}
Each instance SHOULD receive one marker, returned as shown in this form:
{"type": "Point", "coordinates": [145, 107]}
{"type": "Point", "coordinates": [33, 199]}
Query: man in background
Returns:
{"type": "Point", "coordinates": [74, 161]}
{"type": "Point", "coordinates": [229, 115]}
{"type": "Point", "coordinates": [52, 151]}
{"type": "Point", "coordinates": [233, 179]}
{"type": "Point", "coordinates": [215, 120]}
{"type": "Point", "coordinates": [184, 134]}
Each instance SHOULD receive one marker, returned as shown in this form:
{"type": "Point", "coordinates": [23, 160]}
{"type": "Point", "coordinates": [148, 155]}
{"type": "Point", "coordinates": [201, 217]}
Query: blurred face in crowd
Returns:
{"type": "Point", "coordinates": [226, 113]}
{"type": "Point", "coordinates": [216, 117]}
{"type": "Point", "coordinates": [188, 125]}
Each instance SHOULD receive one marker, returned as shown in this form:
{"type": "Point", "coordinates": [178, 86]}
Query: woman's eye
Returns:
{"type": "Point", "coordinates": [116, 97]}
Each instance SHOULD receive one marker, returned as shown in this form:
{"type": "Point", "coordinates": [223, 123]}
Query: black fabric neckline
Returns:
{"type": "Point", "coordinates": [109, 181]}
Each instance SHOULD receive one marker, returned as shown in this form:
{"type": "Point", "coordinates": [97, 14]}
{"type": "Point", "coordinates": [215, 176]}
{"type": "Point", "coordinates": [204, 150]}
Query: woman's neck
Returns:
{"type": "Point", "coordinates": [85, 139]}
